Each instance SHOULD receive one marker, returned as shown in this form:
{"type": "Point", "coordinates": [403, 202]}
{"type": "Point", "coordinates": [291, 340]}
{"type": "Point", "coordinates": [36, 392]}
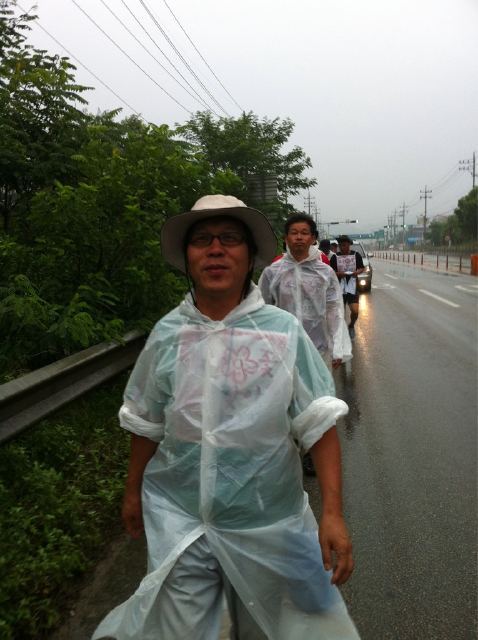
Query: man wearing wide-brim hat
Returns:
{"type": "Point", "coordinates": [222, 391]}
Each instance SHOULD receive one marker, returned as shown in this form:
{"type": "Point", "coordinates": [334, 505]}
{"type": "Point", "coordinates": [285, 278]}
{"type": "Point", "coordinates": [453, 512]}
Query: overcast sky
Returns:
{"type": "Point", "coordinates": [384, 95]}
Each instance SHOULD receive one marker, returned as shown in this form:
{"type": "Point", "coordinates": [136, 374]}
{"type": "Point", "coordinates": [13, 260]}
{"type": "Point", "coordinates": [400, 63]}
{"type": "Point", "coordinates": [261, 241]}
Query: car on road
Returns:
{"type": "Point", "coordinates": [364, 280]}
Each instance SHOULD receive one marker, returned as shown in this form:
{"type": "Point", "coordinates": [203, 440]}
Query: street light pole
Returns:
{"type": "Point", "coordinates": [338, 222]}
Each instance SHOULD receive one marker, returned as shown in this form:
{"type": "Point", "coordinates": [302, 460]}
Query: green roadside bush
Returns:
{"type": "Point", "coordinates": [60, 492]}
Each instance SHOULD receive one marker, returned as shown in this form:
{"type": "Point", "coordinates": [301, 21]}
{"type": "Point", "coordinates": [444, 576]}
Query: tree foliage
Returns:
{"type": "Point", "coordinates": [467, 214]}
{"type": "Point", "coordinates": [40, 122]}
{"type": "Point", "coordinates": [250, 146]}
{"type": "Point", "coordinates": [461, 226]}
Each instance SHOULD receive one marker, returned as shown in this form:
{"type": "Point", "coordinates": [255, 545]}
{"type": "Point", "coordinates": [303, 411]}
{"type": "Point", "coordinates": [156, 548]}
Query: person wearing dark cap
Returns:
{"type": "Point", "coordinates": [348, 265]}
{"type": "Point", "coordinates": [224, 388]}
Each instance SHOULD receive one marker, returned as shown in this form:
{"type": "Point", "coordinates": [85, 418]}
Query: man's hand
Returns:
{"type": "Point", "coordinates": [336, 362]}
{"type": "Point", "coordinates": [132, 513]}
{"type": "Point", "coordinates": [336, 548]}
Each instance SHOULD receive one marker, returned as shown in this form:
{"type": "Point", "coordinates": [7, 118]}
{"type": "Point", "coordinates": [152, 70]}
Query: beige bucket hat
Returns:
{"type": "Point", "coordinates": [174, 230]}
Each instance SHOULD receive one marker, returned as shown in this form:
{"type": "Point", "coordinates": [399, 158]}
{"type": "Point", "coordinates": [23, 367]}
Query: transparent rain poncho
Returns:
{"type": "Point", "coordinates": [311, 291]}
{"type": "Point", "coordinates": [227, 401]}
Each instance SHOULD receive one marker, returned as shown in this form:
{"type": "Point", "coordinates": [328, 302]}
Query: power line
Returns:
{"type": "Point", "coordinates": [198, 99]}
{"type": "Point", "coordinates": [447, 176]}
{"type": "Point", "coordinates": [130, 58]}
{"type": "Point", "coordinates": [202, 57]}
{"type": "Point", "coordinates": [440, 184]}
{"type": "Point", "coordinates": [165, 56]}
{"type": "Point", "coordinates": [446, 183]}
{"type": "Point", "coordinates": [181, 57]}
{"type": "Point", "coordinates": [87, 69]}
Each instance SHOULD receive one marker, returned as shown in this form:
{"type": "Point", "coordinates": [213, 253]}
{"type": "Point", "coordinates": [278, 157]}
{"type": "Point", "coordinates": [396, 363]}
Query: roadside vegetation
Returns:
{"type": "Point", "coordinates": [461, 228]}
{"type": "Point", "coordinates": [60, 491]}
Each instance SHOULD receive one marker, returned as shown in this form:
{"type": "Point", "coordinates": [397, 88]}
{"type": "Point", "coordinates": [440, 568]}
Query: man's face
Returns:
{"type": "Point", "coordinates": [334, 247]}
{"type": "Point", "coordinates": [299, 238]}
{"type": "Point", "coordinates": [218, 269]}
{"type": "Point", "coordinates": [345, 247]}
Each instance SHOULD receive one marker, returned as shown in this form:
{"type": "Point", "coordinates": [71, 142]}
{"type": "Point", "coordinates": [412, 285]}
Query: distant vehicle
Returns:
{"type": "Point", "coordinates": [364, 280]}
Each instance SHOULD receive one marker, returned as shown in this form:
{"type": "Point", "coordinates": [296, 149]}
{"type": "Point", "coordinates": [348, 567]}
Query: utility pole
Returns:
{"type": "Point", "coordinates": [309, 201]}
{"type": "Point", "coordinates": [386, 234]}
{"type": "Point", "coordinates": [403, 209]}
{"type": "Point", "coordinates": [389, 228]}
{"type": "Point", "coordinates": [425, 195]}
{"type": "Point", "coordinates": [469, 165]}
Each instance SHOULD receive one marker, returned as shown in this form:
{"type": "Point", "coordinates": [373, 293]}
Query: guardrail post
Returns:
{"type": "Point", "coordinates": [459, 266]}
{"type": "Point", "coordinates": [408, 258]}
{"type": "Point", "coordinates": [414, 258]}
{"type": "Point", "coordinates": [446, 263]}
{"type": "Point", "coordinates": [421, 261]}
{"type": "Point", "coordinates": [437, 260]}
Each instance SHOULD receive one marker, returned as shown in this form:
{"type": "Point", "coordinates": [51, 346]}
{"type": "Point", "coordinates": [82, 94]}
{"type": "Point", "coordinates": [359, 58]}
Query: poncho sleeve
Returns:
{"type": "Point", "coordinates": [145, 395]}
{"type": "Point", "coordinates": [314, 408]}
{"type": "Point", "coordinates": [264, 285]}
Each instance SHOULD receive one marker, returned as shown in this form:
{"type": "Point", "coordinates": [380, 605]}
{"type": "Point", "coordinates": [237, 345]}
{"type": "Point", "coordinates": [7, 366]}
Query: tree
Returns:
{"type": "Point", "coordinates": [437, 232]}
{"type": "Point", "coordinates": [40, 125]}
{"type": "Point", "coordinates": [249, 147]}
{"type": "Point", "coordinates": [467, 215]}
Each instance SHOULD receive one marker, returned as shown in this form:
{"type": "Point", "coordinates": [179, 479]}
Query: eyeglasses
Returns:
{"type": "Point", "coordinates": [227, 239]}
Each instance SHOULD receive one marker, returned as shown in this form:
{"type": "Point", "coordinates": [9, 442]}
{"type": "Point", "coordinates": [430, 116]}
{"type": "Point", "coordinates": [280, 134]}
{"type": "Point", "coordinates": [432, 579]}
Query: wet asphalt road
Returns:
{"type": "Point", "coordinates": [410, 456]}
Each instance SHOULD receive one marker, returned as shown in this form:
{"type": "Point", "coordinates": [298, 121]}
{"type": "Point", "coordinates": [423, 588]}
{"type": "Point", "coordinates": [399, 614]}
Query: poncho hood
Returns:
{"type": "Point", "coordinates": [252, 302]}
{"type": "Point", "coordinates": [313, 255]}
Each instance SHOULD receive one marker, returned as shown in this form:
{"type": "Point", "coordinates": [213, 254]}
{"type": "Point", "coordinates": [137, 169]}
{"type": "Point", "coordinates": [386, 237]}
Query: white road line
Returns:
{"type": "Point", "coordinates": [458, 286]}
{"type": "Point", "coordinates": [388, 275]}
{"type": "Point", "coordinates": [474, 285]}
{"type": "Point", "coordinates": [385, 285]}
{"type": "Point", "coordinates": [433, 295]}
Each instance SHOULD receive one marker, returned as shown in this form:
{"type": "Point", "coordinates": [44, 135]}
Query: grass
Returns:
{"type": "Point", "coordinates": [60, 489]}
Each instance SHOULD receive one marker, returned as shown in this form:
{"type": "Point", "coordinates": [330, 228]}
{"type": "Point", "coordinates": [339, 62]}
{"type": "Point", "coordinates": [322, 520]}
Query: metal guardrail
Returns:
{"type": "Point", "coordinates": [445, 262]}
{"type": "Point", "coordinates": [31, 397]}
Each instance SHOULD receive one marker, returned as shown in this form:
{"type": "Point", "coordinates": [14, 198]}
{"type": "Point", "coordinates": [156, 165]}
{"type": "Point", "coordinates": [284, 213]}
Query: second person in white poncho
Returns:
{"type": "Point", "coordinates": [309, 289]}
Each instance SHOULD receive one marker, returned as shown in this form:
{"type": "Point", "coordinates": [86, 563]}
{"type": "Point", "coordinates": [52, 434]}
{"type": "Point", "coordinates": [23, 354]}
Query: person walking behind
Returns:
{"type": "Point", "coordinates": [348, 265]}
{"type": "Point", "coordinates": [324, 246]}
{"type": "Point", "coordinates": [223, 389]}
{"type": "Point", "coordinates": [304, 285]}
{"type": "Point", "coordinates": [334, 246]}
{"type": "Point", "coordinates": [308, 288]}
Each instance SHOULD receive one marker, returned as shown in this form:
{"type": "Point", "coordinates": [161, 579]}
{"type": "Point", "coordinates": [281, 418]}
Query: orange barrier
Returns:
{"type": "Point", "coordinates": [474, 264]}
